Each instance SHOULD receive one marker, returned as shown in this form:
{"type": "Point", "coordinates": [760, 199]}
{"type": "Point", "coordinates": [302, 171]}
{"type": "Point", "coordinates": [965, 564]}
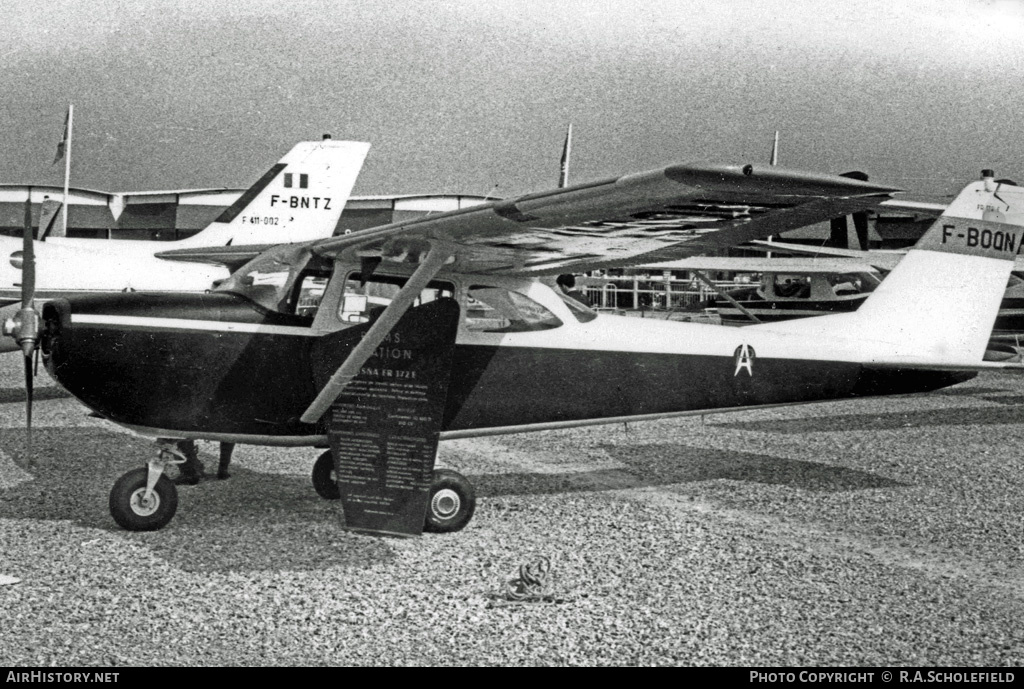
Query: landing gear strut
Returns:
{"type": "Point", "coordinates": [450, 505]}
{"type": "Point", "coordinates": [145, 499]}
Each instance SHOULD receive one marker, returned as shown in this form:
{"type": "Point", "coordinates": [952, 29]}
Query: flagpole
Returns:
{"type": "Point", "coordinates": [563, 176]}
{"type": "Point", "coordinates": [67, 169]}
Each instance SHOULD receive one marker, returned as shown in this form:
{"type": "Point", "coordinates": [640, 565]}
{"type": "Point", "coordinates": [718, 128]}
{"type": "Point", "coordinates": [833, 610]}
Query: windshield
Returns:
{"type": "Point", "coordinates": [269, 278]}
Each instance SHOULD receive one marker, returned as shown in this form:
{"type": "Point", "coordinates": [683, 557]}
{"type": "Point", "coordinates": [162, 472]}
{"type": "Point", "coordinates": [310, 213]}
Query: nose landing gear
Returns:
{"type": "Point", "coordinates": [145, 499]}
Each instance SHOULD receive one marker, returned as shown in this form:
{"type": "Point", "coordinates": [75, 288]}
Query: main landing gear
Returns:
{"type": "Point", "coordinates": [145, 499]}
{"type": "Point", "coordinates": [452, 499]}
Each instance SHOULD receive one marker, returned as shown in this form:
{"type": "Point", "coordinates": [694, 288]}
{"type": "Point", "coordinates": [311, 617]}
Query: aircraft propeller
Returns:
{"type": "Point", "coordinates": [838, 226]}
{"type": "Point", "coordinates": [24, 327]}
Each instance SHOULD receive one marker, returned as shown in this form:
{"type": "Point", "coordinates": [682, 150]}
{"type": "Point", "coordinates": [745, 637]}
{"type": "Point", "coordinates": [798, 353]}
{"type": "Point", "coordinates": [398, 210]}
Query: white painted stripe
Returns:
{"type": "Point", "coordinates": [189, 324]}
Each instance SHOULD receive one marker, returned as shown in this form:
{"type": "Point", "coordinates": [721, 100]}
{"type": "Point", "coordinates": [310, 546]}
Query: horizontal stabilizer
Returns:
{"type": "Point", "coordinates": [232, 257]}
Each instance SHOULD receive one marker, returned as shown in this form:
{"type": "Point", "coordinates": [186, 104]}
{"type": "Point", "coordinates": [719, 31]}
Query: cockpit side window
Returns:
{"type": "Point", "coordinates": [362, 302]}
{"type": "Point", "coordinates": [498, 310]}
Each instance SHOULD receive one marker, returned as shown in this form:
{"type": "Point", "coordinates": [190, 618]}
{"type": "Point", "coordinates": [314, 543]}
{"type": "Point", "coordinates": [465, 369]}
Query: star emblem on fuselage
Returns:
{"type": "Point", "coordinates": [744, 357]}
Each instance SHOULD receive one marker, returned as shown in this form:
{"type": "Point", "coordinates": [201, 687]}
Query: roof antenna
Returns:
{"type": "Point", "coordinates": [326, 137]}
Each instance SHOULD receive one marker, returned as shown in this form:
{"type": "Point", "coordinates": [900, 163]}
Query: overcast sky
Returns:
{"type": "Point", "coordinates": [463, 95]}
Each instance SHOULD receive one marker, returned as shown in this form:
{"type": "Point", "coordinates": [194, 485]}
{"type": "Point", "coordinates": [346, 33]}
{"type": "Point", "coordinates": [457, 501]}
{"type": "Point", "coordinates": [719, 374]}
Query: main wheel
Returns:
{"type": "Point", "coordinates": [452, 501]}
{"type": "Point", "coordinates": [323, 477]}
{"type": "Point", "coordinates": [131, 510]}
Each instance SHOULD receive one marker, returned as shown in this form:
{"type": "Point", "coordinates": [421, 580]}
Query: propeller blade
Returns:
{"type": "Point", "coordinates": [26, 326]}
{"type": "Point", "coordinates": [860, 218]}
{"type": "Point", "coordinates": [860, 223]}
{"type": "Point", "coordinates": [29, 384]}
{"type": "Point", "coordinates": [28, 261]}
{"type": "Point", "coordinates": [837, 233]}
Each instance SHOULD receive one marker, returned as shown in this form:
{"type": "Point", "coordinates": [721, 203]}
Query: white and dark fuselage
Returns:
{"type": "Point", "coordinates": [271, 345]}
{"type": "Point", "coordinates": [222, 366]}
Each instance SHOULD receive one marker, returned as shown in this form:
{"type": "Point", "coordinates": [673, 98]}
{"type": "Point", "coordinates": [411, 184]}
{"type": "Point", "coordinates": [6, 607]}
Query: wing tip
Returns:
{"type": "Point", "coordinates": [793, 181]}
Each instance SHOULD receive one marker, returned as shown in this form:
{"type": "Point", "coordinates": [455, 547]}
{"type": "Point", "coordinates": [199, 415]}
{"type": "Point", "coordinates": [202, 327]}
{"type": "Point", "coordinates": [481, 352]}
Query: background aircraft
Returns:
{"type": "Point", "coordinates": [440, 327]}
{"type": "Point", "coordinates": [787, 287]}
{"type": "Point", "coordinates": [1008, 327]}
{"type": "Point", "coordinates": [299, 199]}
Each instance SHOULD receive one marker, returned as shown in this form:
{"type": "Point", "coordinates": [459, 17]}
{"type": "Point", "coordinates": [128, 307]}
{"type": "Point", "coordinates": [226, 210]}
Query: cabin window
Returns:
{"type": "Point", "coordinates": [793, 286]}
{"type": "Point", "coordinates": [498, 310]}
{"type": "Point", "coordinates": [848, 284]}
{"type": "Point", "coordinates": [365, 301]}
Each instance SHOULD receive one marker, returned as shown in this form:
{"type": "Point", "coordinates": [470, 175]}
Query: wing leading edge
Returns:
{"type": "Point", "coordinates": [660, 215]}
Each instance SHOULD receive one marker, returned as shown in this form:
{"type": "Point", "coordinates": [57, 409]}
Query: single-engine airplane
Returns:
{"type": "Point", "coordinates": [442, 327]}
{"type": "Point", "coordinates": [299, 199]}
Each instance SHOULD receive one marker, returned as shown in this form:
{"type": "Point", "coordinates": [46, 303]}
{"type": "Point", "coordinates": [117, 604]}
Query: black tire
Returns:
{"type": "Point", "coordinates": [323, 477]}
{"type": "Point", "coordinates": [452, 502]}
{"type": "Point", "coordinates": [126, 505]}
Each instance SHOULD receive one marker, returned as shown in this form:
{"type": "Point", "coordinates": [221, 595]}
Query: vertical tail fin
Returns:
{"type": "Point", "coordinates": [299, 199]}
{"type": "Point", "coordinates": [938, 305]}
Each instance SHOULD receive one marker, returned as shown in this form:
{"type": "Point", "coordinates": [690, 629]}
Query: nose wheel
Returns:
{"type": "Point", "coordinates": [145, 499]}
{"type": "Point", "coordinates": [136, 508]}
{"type": "Point", "coordinates": [450, 504]}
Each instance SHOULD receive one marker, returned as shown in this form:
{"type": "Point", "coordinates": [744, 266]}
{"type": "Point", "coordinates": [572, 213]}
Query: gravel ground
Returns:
{"type": "Point", "coordinates": [881, 532]}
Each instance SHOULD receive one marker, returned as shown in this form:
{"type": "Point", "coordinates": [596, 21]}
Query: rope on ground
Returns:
{"type": "Point", "coordinates": [534, 583]}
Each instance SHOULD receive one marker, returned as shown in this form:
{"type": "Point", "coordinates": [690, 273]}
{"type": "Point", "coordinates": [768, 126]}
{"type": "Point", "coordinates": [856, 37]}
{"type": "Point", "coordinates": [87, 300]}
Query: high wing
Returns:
{"type": "Point", "coordinates": [661, 215]}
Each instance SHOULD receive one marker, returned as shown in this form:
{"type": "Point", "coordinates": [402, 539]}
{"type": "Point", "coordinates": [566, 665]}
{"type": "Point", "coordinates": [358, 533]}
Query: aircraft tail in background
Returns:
{"type": "Point", "coordinates": [299, 199]}
{"type": "Point", "coordinates": [938, 305]}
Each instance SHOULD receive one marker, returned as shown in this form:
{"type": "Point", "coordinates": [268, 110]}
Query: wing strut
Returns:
{"type": "Point", "coordinates": [725, 295]}
{"type": "Point", "coordinates": [430, 266]}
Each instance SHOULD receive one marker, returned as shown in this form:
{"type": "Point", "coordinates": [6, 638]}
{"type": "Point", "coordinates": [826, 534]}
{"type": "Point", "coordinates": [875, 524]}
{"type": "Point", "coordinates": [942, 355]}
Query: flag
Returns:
{"type": "Point", "coordinates": [63, 139]}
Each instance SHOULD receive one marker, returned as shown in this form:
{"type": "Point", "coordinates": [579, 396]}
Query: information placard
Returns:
{"type": "Point", "coordinates": [384, 427]}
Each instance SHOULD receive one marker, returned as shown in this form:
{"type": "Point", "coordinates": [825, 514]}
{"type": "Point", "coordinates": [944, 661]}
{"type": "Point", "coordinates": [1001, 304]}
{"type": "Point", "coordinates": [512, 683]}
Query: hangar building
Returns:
{"type": "Point", "coordinates": [170, 215]}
